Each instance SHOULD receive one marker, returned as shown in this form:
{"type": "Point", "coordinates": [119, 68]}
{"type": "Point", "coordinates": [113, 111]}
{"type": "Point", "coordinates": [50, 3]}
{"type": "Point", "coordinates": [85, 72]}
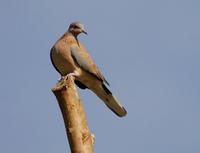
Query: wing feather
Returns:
{"type": "Point", "coordinates": [84, 60]}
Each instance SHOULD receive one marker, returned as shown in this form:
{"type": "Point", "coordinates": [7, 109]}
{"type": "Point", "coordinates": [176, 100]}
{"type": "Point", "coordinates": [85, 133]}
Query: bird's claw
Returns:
{"type": "Point", "coordinates": [68, 76]}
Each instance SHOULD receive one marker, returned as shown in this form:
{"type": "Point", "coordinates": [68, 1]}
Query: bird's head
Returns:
{"type": "Point", "coordinates": [76, 28]}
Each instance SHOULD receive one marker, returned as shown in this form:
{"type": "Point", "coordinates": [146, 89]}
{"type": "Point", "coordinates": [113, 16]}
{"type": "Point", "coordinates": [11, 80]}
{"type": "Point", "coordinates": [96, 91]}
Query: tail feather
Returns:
{"type": "Point", "coordinates": [115, 106]}
{"type": "Point", "coordinates": [110, 100]}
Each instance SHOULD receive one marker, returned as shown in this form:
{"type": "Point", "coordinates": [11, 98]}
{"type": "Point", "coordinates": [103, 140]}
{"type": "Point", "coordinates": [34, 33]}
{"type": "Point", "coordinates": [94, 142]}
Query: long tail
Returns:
{"type": "Point", "coordinates": [110, 100]}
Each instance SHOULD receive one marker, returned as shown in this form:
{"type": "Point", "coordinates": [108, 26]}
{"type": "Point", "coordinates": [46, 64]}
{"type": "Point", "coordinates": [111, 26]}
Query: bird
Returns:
{"type": "Point", "coordinates": [70, 58]}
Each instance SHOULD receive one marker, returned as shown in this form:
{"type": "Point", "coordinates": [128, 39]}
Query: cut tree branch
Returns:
{"type": "Point", "coordinates": [79, 136]}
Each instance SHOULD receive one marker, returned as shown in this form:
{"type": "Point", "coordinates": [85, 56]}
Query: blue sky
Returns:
{"type": "Point", "coordinates": [149, 52]}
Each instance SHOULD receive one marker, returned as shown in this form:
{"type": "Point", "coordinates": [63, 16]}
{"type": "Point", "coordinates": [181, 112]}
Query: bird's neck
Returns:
{"type": "Point", "coordinates": [75, 36]}
{"type": "Point", "coordinates": [77, 41]}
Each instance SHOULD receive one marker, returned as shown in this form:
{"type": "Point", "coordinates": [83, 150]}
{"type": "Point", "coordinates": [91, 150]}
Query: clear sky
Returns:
{"type": "Point", "coordinates": [149, 51]}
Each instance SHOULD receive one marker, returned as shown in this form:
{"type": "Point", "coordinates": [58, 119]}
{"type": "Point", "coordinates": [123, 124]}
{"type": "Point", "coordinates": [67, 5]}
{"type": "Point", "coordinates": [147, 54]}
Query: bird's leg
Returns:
{"type": "Point", "coordinates": [68, 76]}
{"type": "Point", "coordinates": [73, 74]}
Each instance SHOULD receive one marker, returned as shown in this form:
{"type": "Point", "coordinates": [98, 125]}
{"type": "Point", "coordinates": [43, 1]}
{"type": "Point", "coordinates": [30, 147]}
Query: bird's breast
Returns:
{"type": "Point", "coordinates": [62, 60]}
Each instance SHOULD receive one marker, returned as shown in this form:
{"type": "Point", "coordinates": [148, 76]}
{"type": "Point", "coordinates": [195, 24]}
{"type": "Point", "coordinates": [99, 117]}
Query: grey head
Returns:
{"type": "Point", "coordinates": [76, 28]}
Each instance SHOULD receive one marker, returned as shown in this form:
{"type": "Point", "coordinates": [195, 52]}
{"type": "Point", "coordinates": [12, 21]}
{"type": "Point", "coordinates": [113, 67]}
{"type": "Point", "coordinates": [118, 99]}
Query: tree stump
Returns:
{"type": "Point", "coordinates": [79, 136]}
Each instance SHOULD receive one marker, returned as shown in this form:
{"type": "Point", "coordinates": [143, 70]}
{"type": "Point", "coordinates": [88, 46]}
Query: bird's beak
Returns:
{"type": "Point", "coordinates": [83, 31]}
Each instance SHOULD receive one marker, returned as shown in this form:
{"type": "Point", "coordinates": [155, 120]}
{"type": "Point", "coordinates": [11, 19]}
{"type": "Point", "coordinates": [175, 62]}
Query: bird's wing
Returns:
{"type": "Point", "coordinates": [83, 59]}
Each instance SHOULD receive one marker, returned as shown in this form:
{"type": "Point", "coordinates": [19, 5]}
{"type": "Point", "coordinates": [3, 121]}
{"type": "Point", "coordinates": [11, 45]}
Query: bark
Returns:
{"type": "Point", "coordinates": [79, 136]}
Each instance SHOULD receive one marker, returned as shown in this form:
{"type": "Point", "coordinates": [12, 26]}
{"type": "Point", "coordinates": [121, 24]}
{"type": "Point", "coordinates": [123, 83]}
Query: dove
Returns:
{"type": "Point", "coordinates": [70, 58]}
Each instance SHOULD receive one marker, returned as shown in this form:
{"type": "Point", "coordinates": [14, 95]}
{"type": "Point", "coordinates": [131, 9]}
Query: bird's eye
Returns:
{"type": "Point", "coordinates": [75, 27]}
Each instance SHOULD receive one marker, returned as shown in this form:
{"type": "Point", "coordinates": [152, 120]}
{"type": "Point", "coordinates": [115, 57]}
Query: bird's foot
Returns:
{"type": "Point", "coordinates": [68, 76]}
